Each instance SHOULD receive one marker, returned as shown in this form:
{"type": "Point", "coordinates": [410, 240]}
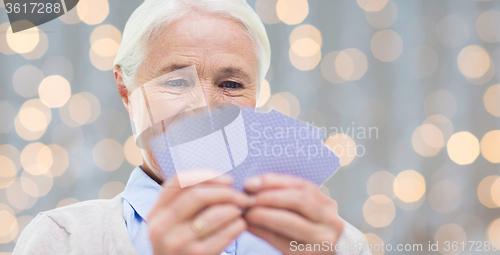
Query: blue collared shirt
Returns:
{"type": "Point", "coordinates": [142, 192]}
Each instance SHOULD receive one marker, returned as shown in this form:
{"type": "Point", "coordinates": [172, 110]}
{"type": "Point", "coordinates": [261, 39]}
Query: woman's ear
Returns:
{"type": "Point", "coordinates": [122, 89]}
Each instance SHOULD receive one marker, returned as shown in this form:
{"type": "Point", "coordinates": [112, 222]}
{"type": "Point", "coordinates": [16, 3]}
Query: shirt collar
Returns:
{"type": "Point", "coordinates": [141, 192]}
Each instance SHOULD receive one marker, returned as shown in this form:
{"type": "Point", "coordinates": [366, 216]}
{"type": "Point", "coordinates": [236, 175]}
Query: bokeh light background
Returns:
{"type": "Point", "coordinates": [424, 74]}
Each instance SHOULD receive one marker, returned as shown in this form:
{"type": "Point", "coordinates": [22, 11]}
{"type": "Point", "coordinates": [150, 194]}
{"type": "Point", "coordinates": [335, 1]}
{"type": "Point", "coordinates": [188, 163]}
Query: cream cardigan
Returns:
{"type": "Point", "coordinates": [98, 227]}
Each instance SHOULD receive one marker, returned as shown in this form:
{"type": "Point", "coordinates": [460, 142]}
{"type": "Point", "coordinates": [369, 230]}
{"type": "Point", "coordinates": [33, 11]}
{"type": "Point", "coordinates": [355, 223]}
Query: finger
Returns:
{"type": "Point", "coordinates": [277, 241]}
{"type": "Point", "coordinates": [216, 242]}
{"type": "Point", "coordinates": [190, 202]}
{"type": "Point", "coordinates": [282, 222]}
{"type": "Point", "coordinates": [305, 203]}
{"type": "Point", "coordinates": [172, 188]}
{"type": "Point", "coordinates": [211, 219]}
{"type": "Point", "coordinates": [275, 181]}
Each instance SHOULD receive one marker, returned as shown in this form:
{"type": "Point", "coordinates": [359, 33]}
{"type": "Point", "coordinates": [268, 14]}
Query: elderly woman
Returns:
{"type": "Point", "coordinates": [227, 44]}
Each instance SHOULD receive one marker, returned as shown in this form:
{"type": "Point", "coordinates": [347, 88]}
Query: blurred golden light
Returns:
{"type": "Point", "coordinates": [344, 65]}
{"type": "Point", "coordinates": [328, 68]}
{"type": "Point", "coordinates": [105, 47]}
{"type": "Point", "coordinates": [495, 192]}
{"type": "Point", "coordinates": [101, 63]}
{"type": "Point", "coordinates": [285, 103]}
{"type": "Point", "coordinates": [463, 148]}
{"type": "Point", "coordinates": [25, 133]}
{"type": "Point", "coordinates": [92, 12]}
{"type": "Point", "coordinates": [18, 198]}
{"type": "Point", "coordinates": [108, 155]}
{"type": "Point", "coordinates": [379, 211]}
{"type": "Point", "coordinates": [444, 197]}
{"type": "Point", "coordinates": [427, 140]}
{"type": "Point", "coordinates": [484, 191]}
{"type": "Point", "coordinates": [490, 146]}
{"type": "Point", "coordinates": [133, 153]}
{"type": "Point", "coordinates": [488, 26]}
{"type": "Point", "coordinates": [380, 183]}
{"type": "Point", "coordinates": [441, 102]}
{"type": "Point", "coordinates": [304, 63]}
{"type": "Point", "coordinates": [79, 109]}
{"type": "Point", "coordinates": [491, 102]}
{"type": "Point", "coordinates": [4, 47]}
{"type": "Point", "coordinates": [36, 158]}
{"type": "Point", "coordinates": [486, 77]}
{"type": "Point", "coordinates": [40, 49]}
{"type": "Point", "coordinates": [60, 160]}
{"type": "Point", "coordinates": [409, 186]}
{"type": "Point", "coordinates": [383, 18]}
{"type": "Point", "coordinates": [7, 117]}
{"type": "Point", "coordinates": [36, 185]}
{"type": "Point", "coordinates": [305, 47]}
{"type": "Point", "coordinates": [82, 108]}
{"type": "Point", "coordinates": [266, 9]}
{"type": "Point", "coordinates": [386, 45]}
{"type": "Point", "coordinates": [423, 61]}
{"type": "Point", "coordinates": [23, 41]}
{"type": "Point", "coordinates": [54, 91]}
{"type": "Point", "coordinates": [8, 173]}
{"type": "Point", "coordinates": [493, 231]}
{"type": "Point", "coordinates": [372, 5]}
{"type": "Point", "coordinates": [29, 186]}
{"type": "Point", "coordinates": [452, 233]}
{"type": "Point", "coordinates": [351, 64]}
{"type": "Point", "coordinates": [105, 31]}
{"type": "Point", "coordinates": [70, 17]}
{"type": "Point", "coordinates": [12, 153]}
{"type": "Point", "coordinates": [8, 226]}
{"type": "Point", "coordinates": [33, 119]}
{"type": "Point", "coordinates": [452, 31]}
{"type": "Point", "coordinates": [306, 31]}
{"type": "Point", "coordinates": [110, 190]}
{"type": "Point", "coordinates": [292, 12]}
{"type": "Point", "coordinates": [67, 201]}
{"type": "Point", "coordinates": [264, 93]}
{"type": "Point", "coordinates": [473, 61]}
{"type": "Point", "coordinates": [432, 135]}
{"type": "Point", "coordinates": [343, 146]}
{"type": "Point", "coordinates": [443, 123]}
{"type": "Point", "coordinates": [375, 241]}
{"type": "Point", "coordinates": [26, 80]}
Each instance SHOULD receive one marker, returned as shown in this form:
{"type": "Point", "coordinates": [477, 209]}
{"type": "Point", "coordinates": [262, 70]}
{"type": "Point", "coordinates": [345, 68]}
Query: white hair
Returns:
{"type": "Point", "coordinates": [145, 22]}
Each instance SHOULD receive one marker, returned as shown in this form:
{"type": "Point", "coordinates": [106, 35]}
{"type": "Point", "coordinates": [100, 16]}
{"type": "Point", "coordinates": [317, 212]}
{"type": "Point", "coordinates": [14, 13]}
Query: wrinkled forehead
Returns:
{"type": "Point", "coordinates": [207, 41]}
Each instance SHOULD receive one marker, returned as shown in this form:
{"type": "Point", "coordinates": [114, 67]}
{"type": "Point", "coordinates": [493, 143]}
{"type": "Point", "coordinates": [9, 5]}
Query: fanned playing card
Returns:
{"type": "Point", "coordinates": [243, 143]}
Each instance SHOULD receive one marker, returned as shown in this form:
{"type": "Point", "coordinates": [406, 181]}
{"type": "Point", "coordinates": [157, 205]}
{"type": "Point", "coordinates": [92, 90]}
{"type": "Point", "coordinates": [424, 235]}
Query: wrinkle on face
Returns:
{"type": "Point", "coordinates": [221, 51]}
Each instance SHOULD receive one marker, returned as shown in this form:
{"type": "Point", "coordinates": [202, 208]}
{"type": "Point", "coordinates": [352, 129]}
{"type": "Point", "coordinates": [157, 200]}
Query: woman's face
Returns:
{"type": "Point", "coordinates": [217, 51]}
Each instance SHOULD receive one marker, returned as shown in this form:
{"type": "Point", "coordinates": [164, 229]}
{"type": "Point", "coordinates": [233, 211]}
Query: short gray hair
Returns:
{"type": "Point", "coordinates": [151, 15]}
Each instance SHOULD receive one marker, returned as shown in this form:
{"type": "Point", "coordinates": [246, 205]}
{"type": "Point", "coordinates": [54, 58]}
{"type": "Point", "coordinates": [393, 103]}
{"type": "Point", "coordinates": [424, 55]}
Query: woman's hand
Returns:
{"type": "Point", "coordinates": [200, 219]}
{"type": "Point", "coordinates": [286, 209]}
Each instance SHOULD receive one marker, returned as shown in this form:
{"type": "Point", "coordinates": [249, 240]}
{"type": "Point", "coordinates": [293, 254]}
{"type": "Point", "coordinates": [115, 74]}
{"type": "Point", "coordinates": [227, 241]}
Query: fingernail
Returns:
{"type": "Point", "coordinates": [253, 183]}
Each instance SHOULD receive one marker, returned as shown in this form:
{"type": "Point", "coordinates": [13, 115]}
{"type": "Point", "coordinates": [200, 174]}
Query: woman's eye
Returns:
{"type": "Point", "coordinates": [231, 85]}
{"type": "Point", "coordinates": [177, 83]}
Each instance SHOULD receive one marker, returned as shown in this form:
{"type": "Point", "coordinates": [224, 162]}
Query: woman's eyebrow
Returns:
{"type": "Point", "coordinates": [236, 72]}
{"type": "Point", "coordinates": [169, 68]}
